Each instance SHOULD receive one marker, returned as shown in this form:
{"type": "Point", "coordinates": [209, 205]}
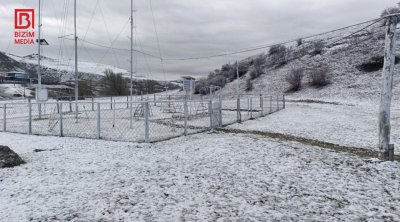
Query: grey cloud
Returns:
{"type": "Point", "coordinates": [186, 28]}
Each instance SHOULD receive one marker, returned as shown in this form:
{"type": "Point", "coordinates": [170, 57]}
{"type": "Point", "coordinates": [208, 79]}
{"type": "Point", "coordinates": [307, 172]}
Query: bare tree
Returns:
{"type": "Point", "coordinates": [319, 77]}
{"type": "Point", "coordinates": [294, 78]}
{"type": "Point", "coordinates": [114, 84]}
{"type": "Point", "coordinates": [277, 55]}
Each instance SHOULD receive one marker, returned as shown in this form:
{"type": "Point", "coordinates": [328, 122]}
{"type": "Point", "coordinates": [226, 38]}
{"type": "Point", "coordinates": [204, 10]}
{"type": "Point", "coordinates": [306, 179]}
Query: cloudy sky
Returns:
{"type": "Point", "coordinates": [185, 28]}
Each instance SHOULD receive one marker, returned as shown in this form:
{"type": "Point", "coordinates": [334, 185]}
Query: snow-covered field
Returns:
{"type": "Point", "coordinates": [12, 89]}
{"type": "Point", "coordinates": [347, 125]}
{"type": "Point", "coordinates": [204, 177]}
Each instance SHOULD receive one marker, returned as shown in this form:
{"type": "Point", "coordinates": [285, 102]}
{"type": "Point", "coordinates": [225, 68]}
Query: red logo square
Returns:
{"type": "Point", "coordinates": [24, 18]}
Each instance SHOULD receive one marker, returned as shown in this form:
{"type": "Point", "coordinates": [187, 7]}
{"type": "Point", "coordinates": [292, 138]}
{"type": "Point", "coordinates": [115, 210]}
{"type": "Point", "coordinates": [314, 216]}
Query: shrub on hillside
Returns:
{"type": "Point", "coordinates": [276, 49]}
{"type": "Point", "coordinates": [299, 42]}
{"type": "Point", "coordinates": [318, 48]}
{"type": "Point", "coordinates": [319, 77]}
{"type": "Point", "coordinates": [218, 80]}
{"type": "Point", "coordinates": [201, 87]}
{"type": "Point", "coordinates": [374, 64]}
{"type": "Point", "coordinates": [258, 67]}
{"type": "Point", "coordinates": [277, 55]}
{"type": "Point", "coordinates": [294, 78]}
{"type": "Point", "coordinates": [249, 85]}
{"type": "Point", "coordinates": [254, 74]}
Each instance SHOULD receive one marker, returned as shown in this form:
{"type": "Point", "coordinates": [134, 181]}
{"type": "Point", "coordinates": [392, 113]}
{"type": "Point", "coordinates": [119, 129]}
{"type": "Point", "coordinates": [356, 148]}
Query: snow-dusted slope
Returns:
{"type": "Point", "coordinates": [67, 65]}
{"type": "Point", "coordinates": [342, 54]}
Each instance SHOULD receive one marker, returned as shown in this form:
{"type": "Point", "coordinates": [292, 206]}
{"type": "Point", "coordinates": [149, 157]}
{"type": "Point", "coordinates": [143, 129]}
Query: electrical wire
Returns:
{"type": "Point", "coordinates": [158, 40]}
{"type": "Point", "coordinates": [240, 51]}
{"type": "Point", "coordinates": [108, 34]}
{"type": "Point", "coordinates": [113, 42]}
{"type": "Point", "coordinates": [224, 54]}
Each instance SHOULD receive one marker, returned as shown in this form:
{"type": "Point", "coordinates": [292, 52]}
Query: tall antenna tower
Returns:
{"type": "Point", "coordinates": [39, 31]}
{"type": "Point", "coordinates": [131, 85]}
{"type": "Point", "coordinates": [76, 66]}
{"type": "Point", "coordinates": [38, 90]}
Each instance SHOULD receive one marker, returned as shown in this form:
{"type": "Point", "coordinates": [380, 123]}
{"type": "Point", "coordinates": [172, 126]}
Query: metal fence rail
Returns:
{"type": "Point", "coordinates": [139, 121]}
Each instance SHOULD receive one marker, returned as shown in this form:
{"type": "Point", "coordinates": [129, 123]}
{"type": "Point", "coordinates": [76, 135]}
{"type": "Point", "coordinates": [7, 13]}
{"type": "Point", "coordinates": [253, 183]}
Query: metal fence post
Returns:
{"type": "Point", "coordinates": [127, 102]}
{"type": "Point", "coordinates": [58, 106]}
{"type": "Point", "coordinates": [146, 122]}
{"type": "Point", "coordinates": [5, 117]}
{"type": "Point", "coordinates": [70, 105]}
{"type": "Point", "coordinates": [270, 104]}
{"type": "Point", "coordinates": [40, 110]}
{"type": "Point", "coordinates": [92, 104]}
{"type": "Point", "coordinates": [284, 101]}
{"type": "Point", "coordinates": [98, 121]}
{"type": "Point", "coordinates": [220, 113]}
{"type": "Point", "coordinates": [251, 108]}
{"type": "Point", "coordinates": [239, 116]}
{"type": "Point", "coordinates": [262, 105]}
{"type": "Point", "coordinates": [277, 103]}
{"type": "Point", "coordinates": [155, 103]}
{"type": "Point", "coordinates": [113, 125]}
{"type": "Point", "coordinates": [111, 104]}
{"type": "Point", "coordinates": [30, 117]}
{"type": "Point", "coordinates": [61, 121]}
{"type": "Point", "coordinates": [248, 105]}
{"type": "Point", "coordinates": [185, 105]}
{"type": "Point", "coordinates": [130, 114]}
{"type": "Point", "coordinates": [210, 110]}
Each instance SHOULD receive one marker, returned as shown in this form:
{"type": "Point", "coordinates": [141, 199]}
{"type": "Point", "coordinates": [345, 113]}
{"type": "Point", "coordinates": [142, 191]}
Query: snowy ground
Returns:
{"type": "Point", "coordinates": [346, 125]}
{"type": "Point", "coordinates": [205, 177]}
{"type": "Point", "coordinates": [12, 89]}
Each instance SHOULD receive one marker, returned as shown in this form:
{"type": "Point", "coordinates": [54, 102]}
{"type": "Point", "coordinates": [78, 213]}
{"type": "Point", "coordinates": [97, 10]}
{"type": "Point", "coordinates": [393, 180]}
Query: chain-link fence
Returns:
{"type": "Point", "coordinates": [140, 121]}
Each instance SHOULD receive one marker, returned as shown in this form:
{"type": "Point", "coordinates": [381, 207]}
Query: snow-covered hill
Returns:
{"type": "Point", "coordinates": [68, 65]}
{"type": "Point", "coordinates": [342, 53]}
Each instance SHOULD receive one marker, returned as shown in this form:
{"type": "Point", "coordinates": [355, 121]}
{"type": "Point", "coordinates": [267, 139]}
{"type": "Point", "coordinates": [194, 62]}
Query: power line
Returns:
{"type": "Point", "coordinates": [273, 44]}
{"type": "Point", "coordinates": [358, 31]}
{"type": "Point", "coordinates": [114, 48]}
{"type": "Point", "coordinates": [372, 22]}
{"type": "Point", "coordinates": [108, 34]}
{"type": "Point", "coordinates": [91, 19]}
{"type": "Point", "coordinates": [158, 41]}
{"type": "Point", "coordinates": [113, 42]}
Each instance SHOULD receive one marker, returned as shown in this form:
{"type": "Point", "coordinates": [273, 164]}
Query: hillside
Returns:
{"type": "Point", "coordinates": [67, 67]}
{"type": "Point", "coordinates": [8, 64]}
{"type": "Point", "coordinates": [340, 54]}
{"type": "Point", "coordinates": [56, 74]}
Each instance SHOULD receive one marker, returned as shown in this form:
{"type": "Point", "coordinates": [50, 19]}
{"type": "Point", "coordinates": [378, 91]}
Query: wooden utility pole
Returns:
{"type": "Point", "coordinates": [385, 148]}
{"type": "Point", "coordinates": [237, 81]}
